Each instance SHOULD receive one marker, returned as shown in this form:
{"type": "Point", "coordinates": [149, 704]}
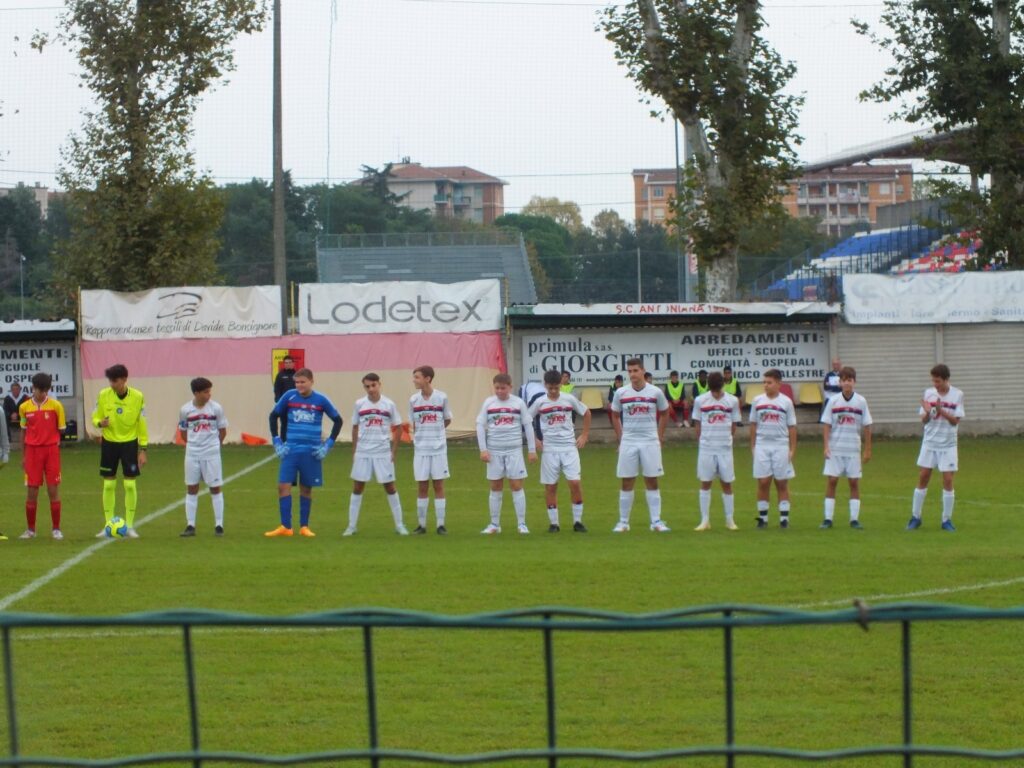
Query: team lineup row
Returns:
{"type": "Point", "coordinates": [638, 413]}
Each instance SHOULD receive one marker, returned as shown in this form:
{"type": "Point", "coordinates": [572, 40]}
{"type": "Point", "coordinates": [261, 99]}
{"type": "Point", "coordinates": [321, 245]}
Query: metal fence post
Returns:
{"type": "Point", "coordinates": [908, 736]}
{"type": "Point", "coordinates": [549, 678]}
{"type": "Point", "coordinates": [190, 676]}
{"type": "Point", "coordinates": [12, 713]}
{"type": "Point", "coordinates": [371, 692]}
{"type": "Point", "coordinates": [730, 693]}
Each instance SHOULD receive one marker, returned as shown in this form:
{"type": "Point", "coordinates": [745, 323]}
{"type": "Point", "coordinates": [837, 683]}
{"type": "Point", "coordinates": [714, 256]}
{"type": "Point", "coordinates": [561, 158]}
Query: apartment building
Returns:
{"type": "Point", "coordinates": [449, 191]}
{"type": "Point", "coordinates": [653, 191]}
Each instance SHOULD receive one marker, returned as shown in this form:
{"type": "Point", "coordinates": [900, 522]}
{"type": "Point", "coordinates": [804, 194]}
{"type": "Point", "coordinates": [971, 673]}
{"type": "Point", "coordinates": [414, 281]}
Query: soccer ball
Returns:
{"type": "Point", "coordinates": [117, 528]}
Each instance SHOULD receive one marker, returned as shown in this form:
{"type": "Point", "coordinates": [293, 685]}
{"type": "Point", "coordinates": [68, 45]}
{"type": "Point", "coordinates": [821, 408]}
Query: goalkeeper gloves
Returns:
{"type": "Point", "coordinates": [322, 450]}
{"type": "Point", "coordinates": [280, 448]}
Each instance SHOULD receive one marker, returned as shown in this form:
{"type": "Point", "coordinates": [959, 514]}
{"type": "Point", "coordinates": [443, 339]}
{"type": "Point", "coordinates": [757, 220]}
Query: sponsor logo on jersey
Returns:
{"type": "Point", "coordinates": [302, 416]}
{"type": "Point", "coordinates": [502, 420]}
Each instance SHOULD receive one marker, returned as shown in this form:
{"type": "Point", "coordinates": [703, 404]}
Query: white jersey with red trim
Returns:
{"type": "Point", "coordinates": [716, 418]}
{"type": "Point", "coordinates": [847, 418]}
{"type": "Point", "coordinates": [939, 434]}
{"type": "Point", "coordinates": [773, 417]}
{"type": "Point", "coordinates": [501, 423]}
{"type": "Point", "coordinates": [428, 415]}
{"type": "Point", "coordinates": [202, 427]}
{"type": "Point", "coordinates": [556, 429]}
{"type": "Point", "coordinates": [375, 420]}
{"type": "Point", "coordinates": [639, 410]}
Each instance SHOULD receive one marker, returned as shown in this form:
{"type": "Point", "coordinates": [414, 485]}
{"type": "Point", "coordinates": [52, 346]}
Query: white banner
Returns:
{"type": "Point", "coordinates": [595, 357]}
{"type": "Point", "coordinates": [20, 361]}
{"type": "Point", "coordinates": [967, 297]}
{"type": "Point", "coordinates": [668, 309]}
{"type": "Point", "coordinates": [182, 313]}
{"type": "Point", "coordinates": [399, 307]}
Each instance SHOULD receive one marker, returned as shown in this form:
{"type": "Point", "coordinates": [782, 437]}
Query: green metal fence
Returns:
{"type": "Point", "coordinates": [546, 621]}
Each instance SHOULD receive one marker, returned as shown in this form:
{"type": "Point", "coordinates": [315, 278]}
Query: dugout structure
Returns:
{"type": "Point", "coordinates": [546, 623]}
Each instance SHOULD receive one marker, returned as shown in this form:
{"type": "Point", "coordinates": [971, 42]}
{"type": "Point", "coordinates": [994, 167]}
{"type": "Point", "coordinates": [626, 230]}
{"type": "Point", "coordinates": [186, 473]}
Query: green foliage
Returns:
{"type": "Point", "coordinates": [350, 209]}
{"type": "Point", "coordinates": [564, 212]}
{"type": "Point", "coordinates": [140, 215]}
{"type": "Point", "coordinates": [708, 64]}
{"type": "Point", "coordinates": [958, 66]}
{"type": "Point", "coordinates": [552, 241]}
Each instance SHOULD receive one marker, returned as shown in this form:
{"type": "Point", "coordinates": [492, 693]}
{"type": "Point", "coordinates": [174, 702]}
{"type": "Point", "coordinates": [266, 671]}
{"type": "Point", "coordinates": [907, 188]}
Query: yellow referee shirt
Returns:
{"type": "Point", "coordinates": [127, 416]}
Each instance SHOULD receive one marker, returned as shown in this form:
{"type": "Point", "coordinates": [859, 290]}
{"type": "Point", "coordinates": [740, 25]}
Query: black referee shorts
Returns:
{"type": "Point", "coordinates": [125, 454]}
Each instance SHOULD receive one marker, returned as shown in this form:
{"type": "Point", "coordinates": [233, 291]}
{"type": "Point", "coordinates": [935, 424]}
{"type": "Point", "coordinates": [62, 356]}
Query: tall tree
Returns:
{"type": "Point", "coordinates": [958, 66]}
{"type": "Point", "coordinates": [563, 212]}
{"type": "Point", "coordinates": [140, 214]}
{"type": "Point", "coordinates": [707, 62]}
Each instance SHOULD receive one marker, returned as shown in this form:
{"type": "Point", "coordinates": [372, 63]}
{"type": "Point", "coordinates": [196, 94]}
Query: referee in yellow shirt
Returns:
{"type": "Point", "coordinates": [121, 414]}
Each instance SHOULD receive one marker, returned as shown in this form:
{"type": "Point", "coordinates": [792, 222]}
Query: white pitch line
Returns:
{"type": "Point", "coordinates": [920, 593]}
{"type": "Point", "coordinates": [92, 549]}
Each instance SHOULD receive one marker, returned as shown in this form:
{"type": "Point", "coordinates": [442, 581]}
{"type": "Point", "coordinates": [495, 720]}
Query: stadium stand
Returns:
{"type": "Point", "coordinates": [949, 254]}
{"type": "Point", "coordinates": [439, 257]}
{"type": "Point", "coordinates": [820, 278]}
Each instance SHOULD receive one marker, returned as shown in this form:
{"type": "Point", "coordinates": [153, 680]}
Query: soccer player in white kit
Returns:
{"type": "Point", "coordinates": [202, 425]}
{"type": "Point", "coordinates": [942, 408]}
{"type": "Point", "coordinates": [559, 448]}
{"type": "Point", "coordinates": [845, 417]}
{"type": "Point", "coordinates": [499, 432]}
{"type": "Point", "coordinates": [429, 415]}
{"type": "Point", "coordinates": [376, 428]}
{"type": "Point", "coordinates": [639, 416]}
{"type": "Point", "coordinates": [716, 414]}
{"type": "Point", "coordinates": [773, 443]}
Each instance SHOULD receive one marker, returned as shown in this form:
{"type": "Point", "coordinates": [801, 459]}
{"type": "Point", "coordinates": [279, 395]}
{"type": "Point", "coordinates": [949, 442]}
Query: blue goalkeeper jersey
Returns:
{"type": "Point", "coordinates": [304, 418]}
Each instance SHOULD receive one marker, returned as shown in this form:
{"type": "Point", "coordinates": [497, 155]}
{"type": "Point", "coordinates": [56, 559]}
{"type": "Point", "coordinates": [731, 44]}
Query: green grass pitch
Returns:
{"type": "Point", "coordinates": [89, 693]}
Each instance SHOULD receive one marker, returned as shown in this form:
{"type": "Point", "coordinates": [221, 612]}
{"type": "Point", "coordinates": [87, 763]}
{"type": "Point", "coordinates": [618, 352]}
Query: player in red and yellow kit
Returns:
{"type": "Point", "coordinates": [42, 420]}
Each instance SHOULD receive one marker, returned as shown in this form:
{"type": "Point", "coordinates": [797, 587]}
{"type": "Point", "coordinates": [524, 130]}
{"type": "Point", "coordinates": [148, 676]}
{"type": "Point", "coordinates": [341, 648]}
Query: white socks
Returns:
{"type": "Point", "coordinates": [519, 505]}
{"type": "Point", "coordinates": [421, 511]}
{"type": "Point", "coordinates": [830, 508]}
{"type": "Point", "coordinates": [918, 504]}
{"type": "Point", "coordinates": [218, 508]}
{"type": "Point", "coordinates": [553, 515]}
{"type": "Point", "coordinates": [762, 510]}
{"type": "Point", "coordinates": [625, 505]}
{"type": "Point", "coordinates": [191, 505]}
{"type": "Point", "coordinates": [654, 505]}
{"type": "Point", "coordinates": [854, 509]}
{"type": "Point", "coordinates": [577, 513]}
{"type": "Point", "coordinates": [705, 505]}
{"type": "Point", "coordinates": [730, 508]}
{"type": "Point", "coordinates": [948, 497]}
{"type": "Point", "coordinates": [494, 506]}
{"type": "Point", "coordinates": [355, 501]}
{"type": "Point", "coordinates": [396, 508]}
{"type": "Point", "coordinates": [440, 508]}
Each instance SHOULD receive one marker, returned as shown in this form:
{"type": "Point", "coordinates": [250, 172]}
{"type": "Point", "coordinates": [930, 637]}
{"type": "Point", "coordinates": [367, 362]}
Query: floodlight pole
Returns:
{"type": "Point", "coordinates": [280, 270]}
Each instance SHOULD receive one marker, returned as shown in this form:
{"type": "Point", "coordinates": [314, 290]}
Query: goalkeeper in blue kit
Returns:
{"type": "Point", "coordinates": [301, 451]}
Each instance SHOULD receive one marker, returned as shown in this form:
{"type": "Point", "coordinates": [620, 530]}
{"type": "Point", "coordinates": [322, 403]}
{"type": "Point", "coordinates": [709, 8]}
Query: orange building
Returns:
{"type": "Point", "coordinates": [851, 195]}
{"type": "Point", "coordinates": [839, 197]}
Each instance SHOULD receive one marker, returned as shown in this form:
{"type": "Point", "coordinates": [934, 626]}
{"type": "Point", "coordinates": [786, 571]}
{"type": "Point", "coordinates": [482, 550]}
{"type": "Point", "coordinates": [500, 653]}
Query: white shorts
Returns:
{"type": "Point", "coordinates": [639, 459]}
{"type": "Point", "coordinates": [430, 467]}
{"type": "Point", "coordinates": [554, 463]}
{"type": "Point", "coordinates": [773, 461]}
{"type": "Point", "coordinates": [843, 466]}
{"type": "Point", "coordinates": [510, 465]}
{"type": "Point", "coordinates": [711, 465]}
{"type": "Point", "coordinates": [206, 469]}
{"type": "Point", "coordinates": [942, 459]}
{"type": "Point", "coordinates": [366, 467]}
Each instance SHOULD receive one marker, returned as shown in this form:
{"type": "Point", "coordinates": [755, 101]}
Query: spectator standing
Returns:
{"type": "Point", "coordinates": [12, 403]}
{"type": "Point", "coordinates": [285, 378]}
{"type": "Point", "coordinates": [675, 393]}
{"type": "Point", "coordinates": [832, 385]}
{"type": "Point", "coordinates": [731, 386]}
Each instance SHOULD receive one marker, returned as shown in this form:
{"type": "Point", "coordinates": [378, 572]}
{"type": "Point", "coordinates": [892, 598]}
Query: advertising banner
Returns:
{"type": "Point", "coordinates": [19, 361]}
{"type": "Point", "coordinates": [182, 313]}
{"type": "Point", "coordinates": [399, 307]}
{"type": "Point", "coordinates": [668, 309]}
{"type": "Point", "coordinates": [595, 357]}
{"type": "Point", "coordinates": [967, 297]}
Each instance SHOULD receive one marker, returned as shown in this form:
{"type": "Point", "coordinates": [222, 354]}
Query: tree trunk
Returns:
{"type": "Point", "coordinates": [720, 278]}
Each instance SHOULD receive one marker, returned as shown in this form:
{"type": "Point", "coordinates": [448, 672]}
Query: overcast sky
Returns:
{"type": "Point", "coordinates": [525, 90]}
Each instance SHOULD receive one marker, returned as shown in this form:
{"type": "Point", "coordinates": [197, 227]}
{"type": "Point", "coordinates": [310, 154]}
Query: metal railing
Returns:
{"type": "Point", "coordinates": [546, 621]}
{"type": "Point", "coordinates": [421, 239]}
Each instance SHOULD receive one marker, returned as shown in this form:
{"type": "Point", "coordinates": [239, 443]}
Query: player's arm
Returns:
{"type": "Point", "coordinates": [481, 433]}
{"type": "Point", "coordinates": [662, 423]}
{"type": "Point", "coordinates": [585, 432]}
{"type": "Point", "coordinates": [697, 425]}
{"type": "Point", "coordinates": [866, 456]}
{"type": "Point", "coordinates": [531, 436]}
{"type": "Point", "coordinates": [355, 436]}
{"type": "Point", "coordinates": [826, 432]}
{"type": "Point", "coordinates": [142, 431]}
{"type": "Point", "coordinates": [753, 430]}
{"type": "Point", "coordinates": [792, 442]}
{"type": "Point", "coordinates": [396, 438]}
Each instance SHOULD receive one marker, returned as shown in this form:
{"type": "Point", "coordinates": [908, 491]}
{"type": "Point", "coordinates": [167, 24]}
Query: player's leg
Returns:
{"type": "Point", "coordinates": [362, 471]}
{"type": "Point", "coordinates": [550, 470]}
{"type": "Point", "coordinates": [31, 506]}
{"type": "Point", "coordinates": [440, 502]}
{"type": "Point", "coordinates": [130, 471]}
{"type": "Point", "coordinates": [627, 469]}
{"type": "Point", "coordinates": [217, 499]}
{"type": "Point", "coordinates": [287, 474]}
{"type": "Point", "coordinates": [213, 475]}
{"type": "Point", "coordinates": [924, 476]}
{"type": "Point", "coordinates": [193, 476]}
{"type": "Point", "coordinates": [421, 473]}
{"type": "Point", "coordinates": [496, 483]}
{"type": "Point", "coordinates": [51, 471]}
{"type": "Point", "coordinates": [948, 499]}
{"type": "Point", "coordinates": [395, 503]}
{"type": "Point", "coordinates": [305, 508]}
{"type": "Point", "coordinates": [854, 501]}
{"type": "Point", "coordinates": [704, 504]}
{"type": "Point", "coordinates": [651, 468]}
{"type": "Point", "coordinates": [515, 485]}
{"type": "Point", "coordinates": [763, 475]}
{"type": "Point", "coordinates": [782, 489]}
{"type": "Point", "coordinates": [831, 481]}
{"type": "Point", "coordinates": [551, 501]}
{"type": "Point", "coordinates": [109, 459]}
{"type": "Point", "coordinates": [576, 496]}
{"type": "Point", "coordinates": [728, 505]}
